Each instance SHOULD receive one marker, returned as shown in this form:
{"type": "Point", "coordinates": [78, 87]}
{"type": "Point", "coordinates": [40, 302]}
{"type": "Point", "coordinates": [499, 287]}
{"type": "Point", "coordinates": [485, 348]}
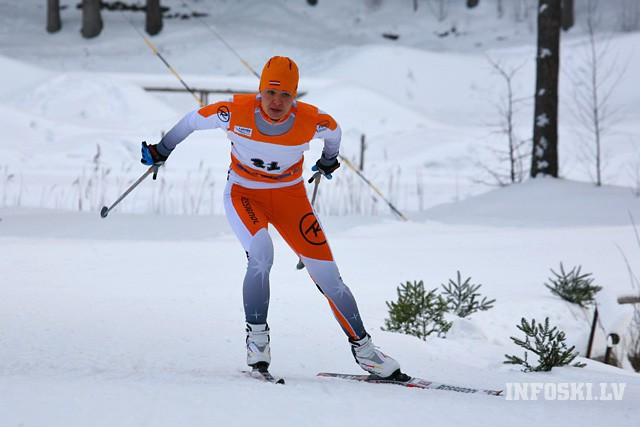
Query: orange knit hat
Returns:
{"type": "Point", "coordinates": [281, 73]}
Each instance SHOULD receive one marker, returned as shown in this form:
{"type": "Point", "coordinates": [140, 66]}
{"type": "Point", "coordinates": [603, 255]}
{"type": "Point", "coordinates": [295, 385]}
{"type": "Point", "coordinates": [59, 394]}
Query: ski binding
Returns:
{"type": "Point", "coordinates": [261, 372]}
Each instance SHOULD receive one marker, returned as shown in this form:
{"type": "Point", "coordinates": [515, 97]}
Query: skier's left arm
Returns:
{"type": "Point", "coordinates": [328, 130]}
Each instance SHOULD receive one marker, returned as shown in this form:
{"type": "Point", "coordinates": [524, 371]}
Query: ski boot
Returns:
{"type": "Point", "coordinates": [258, 351]}
{"type": "Point", "coordinates": [373, 360]}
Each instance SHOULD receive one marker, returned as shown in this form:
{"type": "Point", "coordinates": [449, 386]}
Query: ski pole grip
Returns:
{"type": "Point", "coordinates": [155, 170]}
{"type": "Point", "coordinates": [314, 177]}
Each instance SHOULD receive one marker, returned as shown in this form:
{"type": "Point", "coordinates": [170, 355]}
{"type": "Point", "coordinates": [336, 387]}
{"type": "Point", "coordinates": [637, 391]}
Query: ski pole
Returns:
{"type": "Point", "coordinates": [152, 169]}
{"type": "Point", "coordinates": [373, 187]}
{"type": "Point", "coordinates": [316, 178]}
{"type": "Point", "coordinates": [164, 61]}
{"type": "Point", "coordinates": [246, 64]}
{"type": "Point", "coordinates": [224, 42]}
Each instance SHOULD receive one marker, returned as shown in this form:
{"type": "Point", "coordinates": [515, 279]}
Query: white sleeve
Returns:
{"type": "Point", "coordinates": [329, 130]}
{"type": "Point", "coordinates": [195, 120]}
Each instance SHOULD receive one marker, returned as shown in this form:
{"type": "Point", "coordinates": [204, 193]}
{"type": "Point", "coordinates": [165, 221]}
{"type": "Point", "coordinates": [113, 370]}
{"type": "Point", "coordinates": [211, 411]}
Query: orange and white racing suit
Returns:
{"type": "Point", "coordinates": [265, 186]}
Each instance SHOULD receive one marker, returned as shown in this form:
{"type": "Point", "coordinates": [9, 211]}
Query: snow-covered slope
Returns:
{"type": "Point", "coordinates": [139, 320]}
{"type": "Point", "coordinates": [544, 202]}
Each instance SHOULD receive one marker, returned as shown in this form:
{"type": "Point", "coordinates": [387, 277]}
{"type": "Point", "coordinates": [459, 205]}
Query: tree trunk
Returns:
{"type": "Point", "coordinates": [53, 16]}
{"type": "Point", "coordinates": [567, 14]}
{"type": "Point", "coordinates": [544, 158]}
{"type": "Point", "coordinates": [153, 17]}
{"type": "Point", "coordinates": [91, 18]}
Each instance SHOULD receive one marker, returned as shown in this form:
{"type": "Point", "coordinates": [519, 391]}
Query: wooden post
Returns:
{"type": "Point", "coordinates": [593, 332]}
{"type": "Point", "coordinates": [612, 339]}
{"type": "Point", "coordinates": [362, 148]}
{"type": "Point", "coordinates": [629, 299]}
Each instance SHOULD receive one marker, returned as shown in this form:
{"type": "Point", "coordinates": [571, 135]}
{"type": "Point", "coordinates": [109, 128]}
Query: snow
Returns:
{"type": "Point", "coordinates": [542, 120]}
{"type": "Point", "coordinates": [137, 319]}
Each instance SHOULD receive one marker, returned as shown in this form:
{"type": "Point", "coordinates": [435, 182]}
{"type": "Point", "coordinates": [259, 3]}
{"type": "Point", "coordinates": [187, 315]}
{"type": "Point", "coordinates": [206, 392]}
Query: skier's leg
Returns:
{"type": "Point", "coordinates": [296, 221]}
{"type": "Point", "coordinates": [326, 276]}
{"type": "Point", "coordinates": [247, 219]}
{"type": "Point", "coordinates": [255, 288]}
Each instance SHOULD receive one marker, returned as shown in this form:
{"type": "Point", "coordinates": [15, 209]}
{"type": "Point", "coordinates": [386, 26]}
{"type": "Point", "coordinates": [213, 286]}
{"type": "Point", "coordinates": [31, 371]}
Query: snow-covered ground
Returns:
{"type": "Point", "coordinates": [137, 319]}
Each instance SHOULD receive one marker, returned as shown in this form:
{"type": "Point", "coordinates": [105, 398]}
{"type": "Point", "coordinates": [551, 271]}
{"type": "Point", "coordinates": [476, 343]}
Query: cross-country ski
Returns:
{"type": "Point", "coordinates": [412, 382]}
{"type": "Point", "coordinates": [262, 373]}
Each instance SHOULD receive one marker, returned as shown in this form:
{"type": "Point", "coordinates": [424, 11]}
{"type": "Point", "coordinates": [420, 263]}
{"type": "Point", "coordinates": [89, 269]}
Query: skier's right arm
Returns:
{"type": "Point", "coordinates": [214, 116]}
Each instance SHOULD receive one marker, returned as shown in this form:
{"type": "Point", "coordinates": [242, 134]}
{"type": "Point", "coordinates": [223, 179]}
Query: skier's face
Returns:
{"type": "Point", "coordinates": [276, 103]}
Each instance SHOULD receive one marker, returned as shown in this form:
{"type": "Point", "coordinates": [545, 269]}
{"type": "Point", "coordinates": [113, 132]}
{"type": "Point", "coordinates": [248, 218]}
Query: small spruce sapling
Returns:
{"type": "Point", "coordinates": [548, 344]}
{"type": "Point", "coordinates": [462, 298]}
{"type": "Point", "coordinates": [573, 286]}
{"type": "Point", "coordinates": [417, 312]}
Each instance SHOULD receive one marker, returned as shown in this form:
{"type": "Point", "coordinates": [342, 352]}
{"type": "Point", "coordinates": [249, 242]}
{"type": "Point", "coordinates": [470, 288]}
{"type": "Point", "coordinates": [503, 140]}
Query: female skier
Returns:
{"type": "Point", "coordinates": [269, 133]}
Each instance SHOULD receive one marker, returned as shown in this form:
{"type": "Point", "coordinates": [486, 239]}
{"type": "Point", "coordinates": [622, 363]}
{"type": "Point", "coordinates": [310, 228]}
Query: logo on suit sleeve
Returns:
{"type": "Point", "coordinates": [322, 126]}
{"type": "Point", "coordinates": [242, 130]}
{"type": "Point", "coordinates": [223, 113]}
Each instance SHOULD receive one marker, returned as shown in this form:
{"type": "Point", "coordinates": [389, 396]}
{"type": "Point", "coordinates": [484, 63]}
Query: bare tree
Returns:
{"type": "Point", "coordinates": [91, 18]}
{"type": "Point", "coordinates": [441, 9]}
{"type": "Point", "coordinates": [594, 80]}
{"type": "Point", "coordinates": [522, 9]}
{"type": "Point", "coordinates": [544, 156]}
{"type": "Point", "coordinates": [153, 17]}
{"type": "Point", "coordinates": [53, 16]}
{"type": "Point", "coordinates": [514, 154]}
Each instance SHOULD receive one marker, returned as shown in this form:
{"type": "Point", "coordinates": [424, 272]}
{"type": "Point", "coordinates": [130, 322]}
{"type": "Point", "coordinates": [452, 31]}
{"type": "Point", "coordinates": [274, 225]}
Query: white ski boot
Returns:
{"type": "Point", "coordinates": [373, 360]}
{"type": "Point", "coordinates": [258, 351]}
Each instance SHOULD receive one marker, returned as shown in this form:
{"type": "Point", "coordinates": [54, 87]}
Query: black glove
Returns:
{"type": "Point", "coordinates": [326, 166]}
{"type": "Point", "coordinates": [151, 156]}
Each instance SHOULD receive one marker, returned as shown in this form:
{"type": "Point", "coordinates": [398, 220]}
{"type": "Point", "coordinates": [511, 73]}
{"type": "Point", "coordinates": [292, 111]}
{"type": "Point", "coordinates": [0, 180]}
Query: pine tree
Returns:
{"type": "Point", "coordinates": [417, 312]}
{"type": "Point", "coordinates": [462, 298]}
{"type": "Point", "coordinates": [574, 287]}
{"type": "Point", "coordinates": [549, 345]}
